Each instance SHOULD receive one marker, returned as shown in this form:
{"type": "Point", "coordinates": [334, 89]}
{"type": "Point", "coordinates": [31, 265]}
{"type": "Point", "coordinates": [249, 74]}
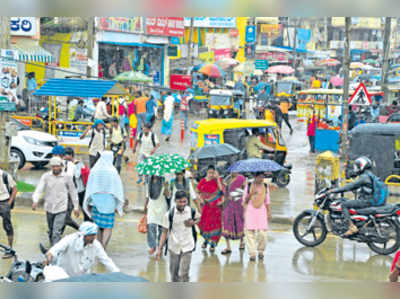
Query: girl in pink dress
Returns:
{"type": "Point", "coordinates": [257, 209]}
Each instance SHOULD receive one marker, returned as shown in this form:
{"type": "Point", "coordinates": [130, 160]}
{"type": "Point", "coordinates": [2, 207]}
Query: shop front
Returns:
{"type": "Point", "coordinates": [116, 58]}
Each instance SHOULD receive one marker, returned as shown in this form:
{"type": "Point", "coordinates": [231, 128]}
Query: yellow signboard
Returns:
{"type": "Point", "coordinates": [207, 57]}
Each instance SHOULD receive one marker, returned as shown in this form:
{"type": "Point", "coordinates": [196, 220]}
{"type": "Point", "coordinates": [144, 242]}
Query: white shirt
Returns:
{"type": "Point", "coordinates": [180, 238]}
{"type": "Point", "coordinates": [56, 190]}
{"type": "Point", "coordinates": [4, 195]}
{"type": "Point", "coordinates": [97, 145]}
{"type": "Point", "coordinates": [101, 111]}
{"type": "Point", "coordinates": [156, 208]}
{"type": "Point", "coordinates": [146, 145]}
{"type": "Point", "coordinates": [78, 262]}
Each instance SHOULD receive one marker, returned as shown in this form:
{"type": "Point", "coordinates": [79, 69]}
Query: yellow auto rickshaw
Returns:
{"type": "Point", "coordinates": [224, 103]}
{"type": "Point", "coordinates": [235, 133]}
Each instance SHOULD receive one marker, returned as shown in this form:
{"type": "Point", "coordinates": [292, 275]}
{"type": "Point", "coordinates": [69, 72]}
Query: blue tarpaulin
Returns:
{"type": "Point", "coordinates": [75, 88]}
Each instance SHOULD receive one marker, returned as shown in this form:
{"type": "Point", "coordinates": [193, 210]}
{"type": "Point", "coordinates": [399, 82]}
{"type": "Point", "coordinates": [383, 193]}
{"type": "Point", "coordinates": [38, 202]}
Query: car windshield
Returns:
{"type": "Point", "coordinates": [20, 126]}
{"type": "Point", "coordinates": [218, 100]}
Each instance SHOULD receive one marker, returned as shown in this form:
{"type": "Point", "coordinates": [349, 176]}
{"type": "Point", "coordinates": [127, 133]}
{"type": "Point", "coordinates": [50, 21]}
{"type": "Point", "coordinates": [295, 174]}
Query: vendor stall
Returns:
{"type": "Point", "coordinates": [69, 132]}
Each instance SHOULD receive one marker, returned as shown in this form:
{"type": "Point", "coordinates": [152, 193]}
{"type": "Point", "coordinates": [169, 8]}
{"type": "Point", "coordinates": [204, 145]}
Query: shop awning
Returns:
{"type": "Point", "coordinates": [32, 54]}
{"type": "Point", "coordinates": [80, 88]}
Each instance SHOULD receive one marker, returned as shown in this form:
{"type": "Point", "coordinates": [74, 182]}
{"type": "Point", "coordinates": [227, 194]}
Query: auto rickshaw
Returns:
{"type": "Point", "coordinates": [235, 133]}
{"type": "Point", "coordinates": [381, 143]}
{"type": "Point", "coordinates": [223, 103]}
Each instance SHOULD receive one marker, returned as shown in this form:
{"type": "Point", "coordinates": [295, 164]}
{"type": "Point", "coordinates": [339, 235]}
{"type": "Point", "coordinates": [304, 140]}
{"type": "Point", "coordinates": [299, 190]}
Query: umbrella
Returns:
{"type": "Point", "coordinates": [290, 78]}
{"type": "Point", "coordinates": [162, 164]}
{"type": "Point", "coordinates": [258, 72]}
{"type": "Point", "coordinates": [246, 68]}
{"type": "Point", "coordinates": [226, 63]}
{"type": "Point", "coordinates": [337, 81]}
{"type": "Point", "coordinates": [197, 67]}
{"type": "Point", "coordinates": [328, 62]}
{"type": "Point", "coordinates": [255, 165]}
{"type": "Point", "coordinates": [105, 277]}
{"type": "Point", "coordinates": [211, 70]}
{"type": "Point", "coordinates": [133, 77]}
{"type": "Point", "coordinates": [370, 61]}
{"type": "Point", "coordinates": [357, 65]}
{"type": "Point", "coordinates": [215, 151]}
{"type": "Point", "coordinates": [280, 69]}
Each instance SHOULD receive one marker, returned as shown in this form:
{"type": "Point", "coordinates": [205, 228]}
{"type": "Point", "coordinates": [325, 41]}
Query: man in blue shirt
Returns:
{"type": "Point", "coordinates": [150, 110]}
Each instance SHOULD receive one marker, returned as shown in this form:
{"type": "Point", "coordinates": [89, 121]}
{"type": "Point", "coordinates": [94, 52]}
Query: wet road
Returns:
{"type": "Point", "coordinates": [285, 260]}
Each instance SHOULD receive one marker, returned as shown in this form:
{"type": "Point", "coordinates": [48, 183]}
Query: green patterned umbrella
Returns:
{"type": "Point", "coordinates": [162, 164]}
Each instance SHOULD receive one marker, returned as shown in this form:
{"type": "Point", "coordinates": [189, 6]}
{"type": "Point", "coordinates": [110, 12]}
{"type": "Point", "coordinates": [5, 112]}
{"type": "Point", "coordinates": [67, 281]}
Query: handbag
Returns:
{"type": "Point", "coordinates": [142, 225]}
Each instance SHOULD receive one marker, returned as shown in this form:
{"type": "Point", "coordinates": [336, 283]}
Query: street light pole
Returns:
{"type": "Point", "coordinates": [346, 69]}
{"type": "Point", "coordinates": [90, 44]}
{"type": "Point", "coordinates": [385, 64]}
{"type": "Point", "coordinates": [190, 58]}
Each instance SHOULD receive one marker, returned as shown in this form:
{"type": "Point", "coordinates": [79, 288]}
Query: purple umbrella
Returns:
{"type": "Point", "coordinates": [255, 165]}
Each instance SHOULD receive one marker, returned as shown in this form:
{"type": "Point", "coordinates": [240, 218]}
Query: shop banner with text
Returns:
{"type": "Point", "coordinates": [180, 82]}
{"type": "Point", "coordinates": [165, 26]}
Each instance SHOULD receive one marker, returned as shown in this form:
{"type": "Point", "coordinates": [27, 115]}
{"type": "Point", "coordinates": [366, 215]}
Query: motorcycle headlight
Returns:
{"type": "Point", "coordinates": [32, 141]}
{"type": "Point", "coordinates": [226, 112]}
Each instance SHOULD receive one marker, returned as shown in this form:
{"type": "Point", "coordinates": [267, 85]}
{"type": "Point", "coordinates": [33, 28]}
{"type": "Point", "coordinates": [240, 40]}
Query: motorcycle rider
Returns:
{"type": "Point", "coordinates": [364, 184]}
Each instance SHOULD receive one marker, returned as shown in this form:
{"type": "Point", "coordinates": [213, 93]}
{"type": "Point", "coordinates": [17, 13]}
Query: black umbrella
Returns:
{"type": "Point", "coordinates": [215, 151]}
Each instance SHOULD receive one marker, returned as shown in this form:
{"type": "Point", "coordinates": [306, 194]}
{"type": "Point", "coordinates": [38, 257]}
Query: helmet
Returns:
{"type": "Point", "coordinates": [58, 150]}
{"type": "Point", "coordinates": [361, 164]}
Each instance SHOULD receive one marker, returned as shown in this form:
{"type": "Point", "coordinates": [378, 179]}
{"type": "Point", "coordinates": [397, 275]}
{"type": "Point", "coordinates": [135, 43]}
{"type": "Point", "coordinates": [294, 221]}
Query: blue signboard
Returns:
{"type": "Point", "coordinates": [250, 34]}
{"type": "Point", "coordinates": [261, 64]}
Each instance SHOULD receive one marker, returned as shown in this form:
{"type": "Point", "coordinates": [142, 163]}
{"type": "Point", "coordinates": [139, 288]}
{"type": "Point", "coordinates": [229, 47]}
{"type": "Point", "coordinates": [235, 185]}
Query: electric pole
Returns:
{"type": "Point", "coordinates": [295, 45]}
{"type": "Point", "coordinates": [190, 42]}
{"type": "Point", "coordinates": [90, 44]}
{"type": "Point", "coordinates": [346, 68]}
{"type": "Point", "coordinates": [385, 64]}
{"type": "Point", "coordinates": [4, 141]}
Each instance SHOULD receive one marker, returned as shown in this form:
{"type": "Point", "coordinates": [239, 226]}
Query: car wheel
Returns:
{"type": "Point", "coordinates": [18, 156]}
{"type": "Point", "coordinates": [40, 165]}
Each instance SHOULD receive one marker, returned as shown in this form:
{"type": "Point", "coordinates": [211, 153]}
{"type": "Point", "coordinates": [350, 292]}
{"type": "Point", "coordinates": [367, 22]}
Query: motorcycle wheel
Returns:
{"type": "Point", "coordinates": [318, 232]}
{"type": "Point", "coordinates": [391, 233]}
{"type": "Point", "coordinates": [282, 178]}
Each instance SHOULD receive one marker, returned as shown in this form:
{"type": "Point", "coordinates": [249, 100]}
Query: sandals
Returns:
{"type": "Point", "coordinates": [212, 249]}
{"type": "Point", "coordinates": [204, 245]}
{"type": "Point", "coordinates": [252, 259]}
{"type": "Point", "coordinates": [226, 251]}
{"type": "Point", "coordinates": [260, 256]}
{"type": "Point", "coordinates": [241, 247]}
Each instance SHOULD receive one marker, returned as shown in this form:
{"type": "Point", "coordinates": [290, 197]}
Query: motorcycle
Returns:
{"type": "Point", "coordinates": [378, 227]}
{"type": "Point", "coordinates": [26, 271]}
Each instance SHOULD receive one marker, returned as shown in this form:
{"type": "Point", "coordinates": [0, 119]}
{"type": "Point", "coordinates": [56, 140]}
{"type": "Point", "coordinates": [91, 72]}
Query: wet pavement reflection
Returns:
{"type": "Point", "coordinates": [285, 260]}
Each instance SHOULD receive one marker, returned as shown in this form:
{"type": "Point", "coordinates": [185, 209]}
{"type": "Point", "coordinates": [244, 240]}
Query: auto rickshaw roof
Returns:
{"type": "Point", "coordinates": [376, 129]}
{"type": "Point", "coordinates": [322, 91]}
{"type": "Point", "coordinates": [232, 123]}
{"type": "Point", "coordinates": [83, 88]}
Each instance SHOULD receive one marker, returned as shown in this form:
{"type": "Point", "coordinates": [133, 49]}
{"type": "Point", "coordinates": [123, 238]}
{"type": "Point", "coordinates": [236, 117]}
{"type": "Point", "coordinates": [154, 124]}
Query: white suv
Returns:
{"type": "Point", "coordinates": [31, 146]}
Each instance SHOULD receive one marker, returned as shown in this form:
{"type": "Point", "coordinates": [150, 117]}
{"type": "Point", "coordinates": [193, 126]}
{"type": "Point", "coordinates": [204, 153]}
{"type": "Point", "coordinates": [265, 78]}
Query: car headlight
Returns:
{"type": "Point", "coordinates": [32, 141]}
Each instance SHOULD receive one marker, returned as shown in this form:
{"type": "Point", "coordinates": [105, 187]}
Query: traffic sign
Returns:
{"type": "Point", "coordinates": [361, 96]}
{"type": "Point", "coordinates": [7, 106]}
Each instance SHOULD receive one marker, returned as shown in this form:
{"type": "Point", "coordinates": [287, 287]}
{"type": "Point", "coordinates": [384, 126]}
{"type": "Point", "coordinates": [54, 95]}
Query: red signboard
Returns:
{"type": "Point", "coordinates": [165, 26]}
{"type": "Point", "coordinates": [222, 53]}
{"type": "Point", "coordinates": [180, 82]}
{"type": "Point", "coordinates": [272, 56]}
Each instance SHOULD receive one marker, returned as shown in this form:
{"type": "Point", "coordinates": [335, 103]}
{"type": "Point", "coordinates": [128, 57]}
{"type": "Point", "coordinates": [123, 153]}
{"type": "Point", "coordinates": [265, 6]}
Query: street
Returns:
{"type": "Point", "coordinates": [285, 260]}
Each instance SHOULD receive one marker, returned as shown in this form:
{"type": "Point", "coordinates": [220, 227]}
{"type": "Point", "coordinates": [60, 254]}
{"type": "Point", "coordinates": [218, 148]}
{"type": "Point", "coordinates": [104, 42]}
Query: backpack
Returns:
{"type": "Point", "coordinates": [92, 137]}
{"type": "Point", "coordinates": [380, 191]}
{"type": "Point", "coordinates": [153, 138]}
{"type": "Point", "coordinates": [171, 221]}
{"type": "Point", "coordinates": [9, 189]}
{"type": "Point", "coordinates": [85, 171]}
